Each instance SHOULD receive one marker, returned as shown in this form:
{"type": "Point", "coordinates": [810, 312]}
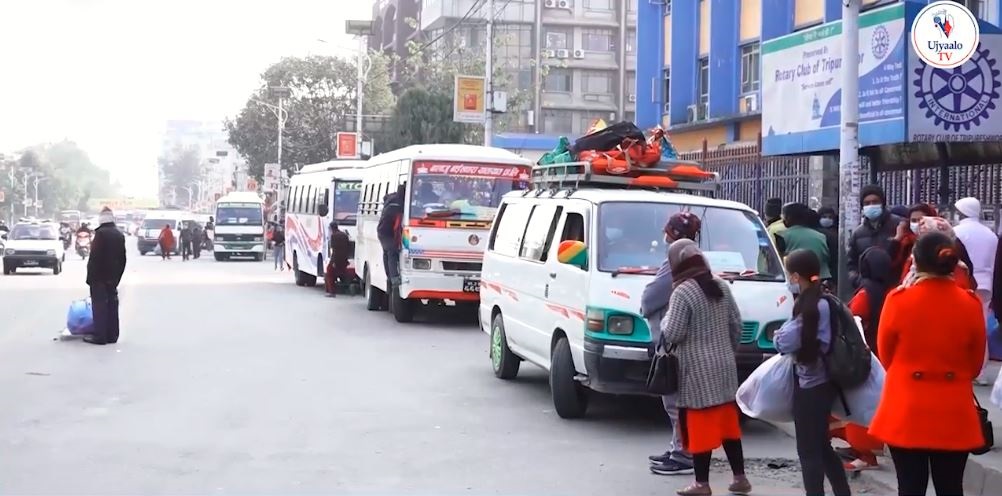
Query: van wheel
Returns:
{"type": "Point", "coordinates": [298, 274]}
{"type": "Point", "coordinates": [57, 268]}
{"type": "Point", "coordinates": [403, 310]}
{"type": "Point", "coordinates": [142, 253]}
{"type": "Point", "coordinates": [503, 361]}
{"type": "Point", "coordinates": [374, 298]}
{"type": "Point", "coordinates": [570, 398]}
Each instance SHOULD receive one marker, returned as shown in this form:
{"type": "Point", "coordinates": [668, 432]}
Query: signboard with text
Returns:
{"type": "Point", "coordinates": [801, 85]}
{"type": "Point", "coordinates": [499, 171]}
{"type": "Point", "coordinates": [468, 99]}
{"type": "Point", "coordinates": [272, 176]}
{"type": "Point", "coordinates": [347, 146]}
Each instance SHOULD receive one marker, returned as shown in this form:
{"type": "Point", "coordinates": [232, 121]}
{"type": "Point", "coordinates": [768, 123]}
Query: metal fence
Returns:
{"type": "Point", "coordinates": [933, 185]}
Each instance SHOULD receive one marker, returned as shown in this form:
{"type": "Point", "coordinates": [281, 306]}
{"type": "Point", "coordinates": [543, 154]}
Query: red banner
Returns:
{"type": "Point", "coordinates": [498, 171]}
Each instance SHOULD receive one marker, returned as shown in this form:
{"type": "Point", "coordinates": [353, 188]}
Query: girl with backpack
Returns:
{"type": "Point", "coordinates": [808, 336]}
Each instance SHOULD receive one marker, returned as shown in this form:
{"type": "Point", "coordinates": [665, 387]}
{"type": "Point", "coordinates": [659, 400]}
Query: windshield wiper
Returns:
{"type": "Point", "coordinates": [635, 270]}
{"type": "Point", "coordinates": [746, 275]}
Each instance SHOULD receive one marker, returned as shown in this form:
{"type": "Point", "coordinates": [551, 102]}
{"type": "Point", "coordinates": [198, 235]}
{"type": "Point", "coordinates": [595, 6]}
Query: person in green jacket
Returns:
{"type": "Point", "coordinates": [799, 234]}
{"type": "Point", "coordinates": [773, 217]}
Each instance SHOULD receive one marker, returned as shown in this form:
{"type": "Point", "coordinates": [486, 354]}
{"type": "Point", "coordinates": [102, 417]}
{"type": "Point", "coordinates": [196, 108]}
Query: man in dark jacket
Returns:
{"type": "Point", "coordinates": [186, 241]}
{"type": "Point", "coordinates": [653, 306]}
{"type": "Point", "coordinates": [196, 240]}
{"type": "Point", "coordinates": [878, 228]}
{"type": "Point", "coordinates": [104, 272]}
{"type": "Point", "coordinates": [389, 231]}
{"type": "Point", "coordinates": [337, 265]}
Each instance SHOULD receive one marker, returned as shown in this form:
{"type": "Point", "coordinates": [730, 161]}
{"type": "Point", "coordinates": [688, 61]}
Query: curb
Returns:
{"type": "Point", "coordinates": [980, 477]}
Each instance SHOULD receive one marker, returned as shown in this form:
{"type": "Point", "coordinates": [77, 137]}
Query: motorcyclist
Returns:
{"type": "Point", "coordinates": [84, 228]}
{"type": "Point", "coordinates": [65, 231]}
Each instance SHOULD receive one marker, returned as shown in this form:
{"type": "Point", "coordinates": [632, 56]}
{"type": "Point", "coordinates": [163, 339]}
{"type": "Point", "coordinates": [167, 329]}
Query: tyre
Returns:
{"type": "Point", "coordinates": [374, 297]}
{"type": "Point", "coordinates": [403, 310]}
{"type": "Point", "coordinates": [57, 268]}
{"type": "Point", "coordinates": [142, 253]}
{"type": "Point", "coordinates": [259, 257]}
{"type": "Point", "coordinates": [503, 361]}
{"type": "Point", "coordinates": [218, 257]}
{"type": "Point", "coordinates": [7, 270]}
{"type": "Point", "coordinates": [570, 398]}
{"type": "Point", "coordinates": [298, 274]}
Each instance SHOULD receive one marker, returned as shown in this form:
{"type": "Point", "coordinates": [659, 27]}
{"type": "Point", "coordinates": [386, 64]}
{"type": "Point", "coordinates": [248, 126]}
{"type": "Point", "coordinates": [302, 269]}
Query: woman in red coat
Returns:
{"type": "Point", "coordinates": [166, 242]}
{"type": "Point", "coordinates": [932, 344]}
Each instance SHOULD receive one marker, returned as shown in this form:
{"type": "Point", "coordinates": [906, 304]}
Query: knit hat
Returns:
{"type": "Point", "coordinates": [106, 216]}
{"type": "Point", "coordinates": [683, 225]}
{"type": "Point", "coordinates": [969, 206]}
{"type": "Point", "coordinates": [872, 189]}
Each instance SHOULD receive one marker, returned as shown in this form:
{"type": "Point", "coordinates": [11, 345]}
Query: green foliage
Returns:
{"type": "Point", "coordinates": [323, 93]}
{"type": "Point", "coordinates": [67, 175]}
{"type": "Point", "coordinates": [181, 168]}
{"type": "Point", "coordinates": [422, 116]}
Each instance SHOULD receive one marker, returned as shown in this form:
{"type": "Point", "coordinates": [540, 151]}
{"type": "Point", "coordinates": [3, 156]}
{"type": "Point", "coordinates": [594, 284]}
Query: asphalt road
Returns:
{"type": "Point", "coordinates": [229, 379]}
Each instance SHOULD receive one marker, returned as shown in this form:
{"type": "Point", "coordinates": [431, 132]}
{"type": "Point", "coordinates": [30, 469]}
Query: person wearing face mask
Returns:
{"type": "Point", "coordinates": [878, 228]}
{"type": "Point", "coordinates": [653, 306]}
{"type": "Point", "coordinates": [907, 233]}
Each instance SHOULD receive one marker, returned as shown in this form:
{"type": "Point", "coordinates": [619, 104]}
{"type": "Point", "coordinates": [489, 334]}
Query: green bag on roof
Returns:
{"type": "Point", "coordinates": [561, 154]}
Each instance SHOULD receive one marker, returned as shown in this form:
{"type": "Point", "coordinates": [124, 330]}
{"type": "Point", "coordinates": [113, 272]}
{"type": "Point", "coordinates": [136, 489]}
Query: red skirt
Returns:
{"type": "Point", "coordinates": [706, 429]}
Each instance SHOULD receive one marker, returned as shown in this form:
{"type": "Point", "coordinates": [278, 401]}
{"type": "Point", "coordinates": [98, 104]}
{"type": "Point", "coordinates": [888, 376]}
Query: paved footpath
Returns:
{"type": "Point", "coordinates": [229, 379]}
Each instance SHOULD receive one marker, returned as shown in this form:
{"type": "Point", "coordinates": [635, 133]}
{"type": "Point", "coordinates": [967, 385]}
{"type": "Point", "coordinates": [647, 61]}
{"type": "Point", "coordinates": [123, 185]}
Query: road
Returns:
{"type": "Point", "coordinates": [229, 379]}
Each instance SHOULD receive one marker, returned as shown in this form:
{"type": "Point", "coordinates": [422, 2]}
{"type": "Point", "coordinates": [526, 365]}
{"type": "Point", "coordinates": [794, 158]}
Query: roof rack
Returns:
{"type": "Point", "coordinates": [666, 175]}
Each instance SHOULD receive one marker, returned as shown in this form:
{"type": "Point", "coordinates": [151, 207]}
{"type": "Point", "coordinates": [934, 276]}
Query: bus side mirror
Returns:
{"type": "Point", "coordinates": [322, 209]}
{"type": "Point", "coordinates": [573, 252]}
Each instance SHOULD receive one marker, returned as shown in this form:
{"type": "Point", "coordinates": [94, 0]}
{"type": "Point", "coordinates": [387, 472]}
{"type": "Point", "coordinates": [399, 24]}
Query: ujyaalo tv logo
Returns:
{"type": "Point", "coordinates": [945, 34]}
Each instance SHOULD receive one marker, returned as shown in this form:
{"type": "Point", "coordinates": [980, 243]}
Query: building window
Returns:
{"type": "Point", "coordinates": [750, 68]}
{"type": "Point", "coordinates": [597, 82]}
{"type": "Point", "coordinates": [703, 83]}
{"type": "Point", "coordinates": [631, 83]}
{"type": "Point", "coordinates": [597, 40]}
{"type": "Point", "coordinates": [631, 40]}
{"type": "Point", "coordinates": [557, 80]}
{"type": "Point", "coordinates": [598, 4]}
{"type": "Point", "coordinates": [557, 121]}
{"type": "Point", "coordinates": [630, 117]}
{"type": "Point", "coordinates": [631, 5]}
{"type": "Point", "coordinates": [667, 86]}
{"type": "Point", "coordinates": [557, 39]}
{"type": "Point", "coordinates": [667, 7]}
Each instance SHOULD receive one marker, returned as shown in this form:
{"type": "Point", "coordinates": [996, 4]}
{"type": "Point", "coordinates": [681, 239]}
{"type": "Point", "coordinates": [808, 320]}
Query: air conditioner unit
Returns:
{"type": "Point", "coordinates": [549, 53]}
{"type": "Point", "coordinates": [691, 113]}
{"type": "Point", "coordinates": [579, 53]}
{"type": "Point", "coordinates": [550, 4]}
{"type": "Point", "coordinates": [751, 103]}
{"type": "Point", "coordinates": [632, 98]}
{"type": "Point", "coordinates": [563, 4]}
{"type": "Point", "coordinates": [563, 53]}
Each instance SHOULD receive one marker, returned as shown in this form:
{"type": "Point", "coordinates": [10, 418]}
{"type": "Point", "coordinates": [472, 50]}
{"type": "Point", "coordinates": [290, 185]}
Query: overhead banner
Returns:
{"type": "Point", "coordinates": [959, 104]}
{"type": "Point", "coordinates": [472, 170]}
{"type": "Point", "coordinates": [802, 85]}
{"type": "Point", "coordinates": [468, 99]}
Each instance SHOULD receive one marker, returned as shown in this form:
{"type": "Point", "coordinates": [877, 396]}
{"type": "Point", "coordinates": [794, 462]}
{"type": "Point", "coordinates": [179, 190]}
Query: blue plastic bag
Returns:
{"type": "Point", "coordinates": [80, 318]}
{"type": "Point", "coordinates": [994, 337]}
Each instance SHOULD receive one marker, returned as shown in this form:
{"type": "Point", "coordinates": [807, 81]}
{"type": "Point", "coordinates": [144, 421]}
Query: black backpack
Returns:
{"type": "Point", "coordinates": [608, 138]}
{"type": "Point", "coordinates": [848, 358]}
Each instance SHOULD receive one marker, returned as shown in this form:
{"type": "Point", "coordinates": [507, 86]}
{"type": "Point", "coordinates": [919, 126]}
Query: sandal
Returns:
{"type": "Point", "coordinates": [859, 464]}
{"type": "Point", "coordinates": [696, 489]}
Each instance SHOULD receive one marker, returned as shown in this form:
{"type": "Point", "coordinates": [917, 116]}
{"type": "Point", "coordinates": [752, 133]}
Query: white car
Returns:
{"type": "Point", "coordinates": [33, 245]}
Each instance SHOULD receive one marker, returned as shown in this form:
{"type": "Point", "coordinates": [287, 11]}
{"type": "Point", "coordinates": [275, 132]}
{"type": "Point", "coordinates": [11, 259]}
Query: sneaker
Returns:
{"type": "Point", "coordinates": [740, 486]}
{"type": "Point", "coordinates": [658, 459]}
{"type": "Point", "coordinates": [671, 467]}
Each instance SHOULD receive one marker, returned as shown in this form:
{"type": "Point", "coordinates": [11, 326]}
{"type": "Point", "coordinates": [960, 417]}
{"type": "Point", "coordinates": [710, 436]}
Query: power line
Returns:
{"type": "Point", "coordinates": [477, 5]}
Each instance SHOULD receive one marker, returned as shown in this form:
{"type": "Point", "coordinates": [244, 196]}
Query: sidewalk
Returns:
{"type": "Point", "coordinates": [984, 473]}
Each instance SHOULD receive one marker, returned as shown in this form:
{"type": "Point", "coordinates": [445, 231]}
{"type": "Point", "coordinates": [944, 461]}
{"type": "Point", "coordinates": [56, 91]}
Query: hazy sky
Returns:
{"type": "Point", "coordinates": [108, 73]}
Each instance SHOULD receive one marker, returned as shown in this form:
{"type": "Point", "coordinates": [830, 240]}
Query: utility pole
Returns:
{"type": "Point", "coordinates": [24, 193]}
{"type": "Point", "coordinates": [360, 29]}
{"type": "Point", "coordinates": [850, 175]}
{"type": "Point", "coordinates": [489, 77]}
{"type": "Point", "coordinates": [37, 180]}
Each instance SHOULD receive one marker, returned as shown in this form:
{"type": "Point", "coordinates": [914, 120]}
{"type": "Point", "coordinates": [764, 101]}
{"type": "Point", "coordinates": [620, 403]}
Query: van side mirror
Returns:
{"type": "Point", "coordinates": [573, 252]}
{"type": "Point", "coordinates": [322, 209]}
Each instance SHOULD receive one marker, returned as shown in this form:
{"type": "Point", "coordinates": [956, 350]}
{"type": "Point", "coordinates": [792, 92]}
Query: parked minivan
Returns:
{"type": "Point", "coordinates": [581, 320]}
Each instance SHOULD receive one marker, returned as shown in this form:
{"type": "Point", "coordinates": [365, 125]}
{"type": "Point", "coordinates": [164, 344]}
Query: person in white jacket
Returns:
{"type": "Point", "coordinates": [981, 243]}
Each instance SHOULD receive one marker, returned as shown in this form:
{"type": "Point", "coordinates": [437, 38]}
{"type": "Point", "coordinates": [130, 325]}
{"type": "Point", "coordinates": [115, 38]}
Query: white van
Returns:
{"type": "Point", "coordinates": [582, 322]}
{"type": "Point", "coordinates": [148, 234]}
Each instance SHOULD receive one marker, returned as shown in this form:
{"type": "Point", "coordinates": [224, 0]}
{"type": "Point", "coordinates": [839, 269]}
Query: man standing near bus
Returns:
{"type": "Point", "coordinates": [389, 232]}
{"type": "Point", "coordinates": [337, 267]}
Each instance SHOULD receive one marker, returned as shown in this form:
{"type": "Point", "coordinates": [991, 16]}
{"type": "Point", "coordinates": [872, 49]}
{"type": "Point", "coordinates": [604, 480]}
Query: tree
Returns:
{"type": "Point", "coordinates": [423, 116]}
{"type": "Point", "coordinates": [67, 178]}
{"type": "Point", "coordinates": [322, 94]}
{"type": "Point", "coordinates": [181, 168]}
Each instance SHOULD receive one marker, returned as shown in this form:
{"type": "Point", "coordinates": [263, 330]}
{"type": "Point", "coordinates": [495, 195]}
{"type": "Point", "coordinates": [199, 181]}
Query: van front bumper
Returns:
{"type": "Point", "coordinates": [616, 367]}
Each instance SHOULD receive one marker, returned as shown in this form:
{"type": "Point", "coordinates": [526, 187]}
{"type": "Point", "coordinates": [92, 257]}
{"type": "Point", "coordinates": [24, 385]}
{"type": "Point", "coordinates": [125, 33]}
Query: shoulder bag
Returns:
{"type": "Point", "coordinates": [662, 377]}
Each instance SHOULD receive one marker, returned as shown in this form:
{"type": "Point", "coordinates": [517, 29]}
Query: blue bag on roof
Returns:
{"type": "Point", "coordinates": [80, 318]}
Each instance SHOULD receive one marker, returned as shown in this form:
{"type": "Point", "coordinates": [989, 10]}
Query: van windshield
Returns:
{"type": "Point", "coordinates": [631, 236]}
{"type": "Point", "coordinates": [159, 223]}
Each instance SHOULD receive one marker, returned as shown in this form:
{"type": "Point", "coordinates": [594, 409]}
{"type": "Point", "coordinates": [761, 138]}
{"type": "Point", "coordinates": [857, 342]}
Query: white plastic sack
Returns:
{"type": "Point", "coordinates": [862, 399]}
{"type": "Point", "coordinates": [767, 394]}
{"type": "Point", "coordinates": [997, 391]}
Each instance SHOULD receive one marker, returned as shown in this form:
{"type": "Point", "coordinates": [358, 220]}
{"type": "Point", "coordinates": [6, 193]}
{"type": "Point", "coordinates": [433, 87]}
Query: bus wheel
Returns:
{"type": "Point", "coordinates": [403, 310]}
{"type": "Point", "coordinates": [374, 298]}
{"type": "Point", "coordinates": [298, 274]}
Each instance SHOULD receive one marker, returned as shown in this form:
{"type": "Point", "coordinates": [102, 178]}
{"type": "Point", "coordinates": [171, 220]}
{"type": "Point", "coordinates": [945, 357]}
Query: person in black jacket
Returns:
{"type": "Point", "coordinates": [104, 272]}
{"type": "Point", "coordinates": [879, 228]}
{"type": "Point", "coordinates": [389, 231]}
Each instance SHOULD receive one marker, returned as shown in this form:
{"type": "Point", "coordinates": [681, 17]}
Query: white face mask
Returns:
{"type": "Point", "coordinates": [914, 227]}
{"type": "Point", "coordinates": [826, 222]}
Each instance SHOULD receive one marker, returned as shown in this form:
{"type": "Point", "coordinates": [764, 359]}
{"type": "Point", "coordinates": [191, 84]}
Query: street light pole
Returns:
{"type": "Point", "coordinates": [24, 193]}
{"type": "Point", "coordinates": [488, 77]}
{"type": "Point", "coordinates": [360, 29]}
{"type": "Point", "coordinates": [850, 175]}
{"type": "Point", "coordinates": [37, 179]}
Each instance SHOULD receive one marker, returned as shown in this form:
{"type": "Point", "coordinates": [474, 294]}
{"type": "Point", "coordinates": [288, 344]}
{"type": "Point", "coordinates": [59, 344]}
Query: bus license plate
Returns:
{"type": "Point", "coordinates": [471, 285]}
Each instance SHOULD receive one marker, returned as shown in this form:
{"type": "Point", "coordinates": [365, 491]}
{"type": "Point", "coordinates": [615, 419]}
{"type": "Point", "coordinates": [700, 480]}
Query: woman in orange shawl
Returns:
{"type": "Point", "coordinates": [166, 242]}
{"type": "Point", "coordinates": [961, 275]}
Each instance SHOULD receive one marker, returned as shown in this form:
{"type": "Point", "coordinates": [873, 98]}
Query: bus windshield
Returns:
{"type": "Point", "coordinates": [239, 214]}
{"type": "Point", "coordinates": [462, 191]}
{"type": "Point", "coordinates": [346, 195]}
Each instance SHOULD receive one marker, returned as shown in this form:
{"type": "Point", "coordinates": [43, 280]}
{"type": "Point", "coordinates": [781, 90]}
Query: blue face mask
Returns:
{"type": "Point", "coordinates": [873, 212]}
{"type": "Point", "coordinates": [826, 222]}
{"type": "Point", "coordinates": [793, 287]}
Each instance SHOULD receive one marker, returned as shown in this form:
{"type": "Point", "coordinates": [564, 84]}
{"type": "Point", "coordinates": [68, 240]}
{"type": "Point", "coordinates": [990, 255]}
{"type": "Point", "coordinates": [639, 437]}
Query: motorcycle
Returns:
{"type": "Point", "coordinates": [83, 245]}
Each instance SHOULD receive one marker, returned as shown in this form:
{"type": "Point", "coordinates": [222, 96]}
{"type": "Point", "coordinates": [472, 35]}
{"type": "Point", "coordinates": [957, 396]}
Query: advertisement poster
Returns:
{"type": "Point", "coordinates": [958, 104]}
{"type": "Point", "coordinates": [468, 100]}
{"type": "Point", "coordinates": [347, 146]}
{"type": "Point", "coordinates": [271, 178]}
{"type": "Point", "coordinates": [801, 84]}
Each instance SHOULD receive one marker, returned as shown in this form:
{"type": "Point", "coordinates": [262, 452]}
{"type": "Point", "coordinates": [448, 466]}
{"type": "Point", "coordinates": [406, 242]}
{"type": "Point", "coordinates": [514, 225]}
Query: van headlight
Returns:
{"type": "Point", "coordinates": [9, 251]}
{"type": "Point", "coordinates": [50, 253]}
{"type": "Point", "coordinates": [620, 324]}
{"type": "Point", "coordinates": [258, 238]}
{"type": "Point", "coordinates": [421, 263]}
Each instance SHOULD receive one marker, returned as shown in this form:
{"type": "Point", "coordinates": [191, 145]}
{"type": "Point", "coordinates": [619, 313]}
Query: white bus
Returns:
{"type": "Point", "coordinates": [239, 226]}
{"type": "Point", "coordinates": [452, 193]}
{"type": "Point", "coordinates": [319, 194]}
